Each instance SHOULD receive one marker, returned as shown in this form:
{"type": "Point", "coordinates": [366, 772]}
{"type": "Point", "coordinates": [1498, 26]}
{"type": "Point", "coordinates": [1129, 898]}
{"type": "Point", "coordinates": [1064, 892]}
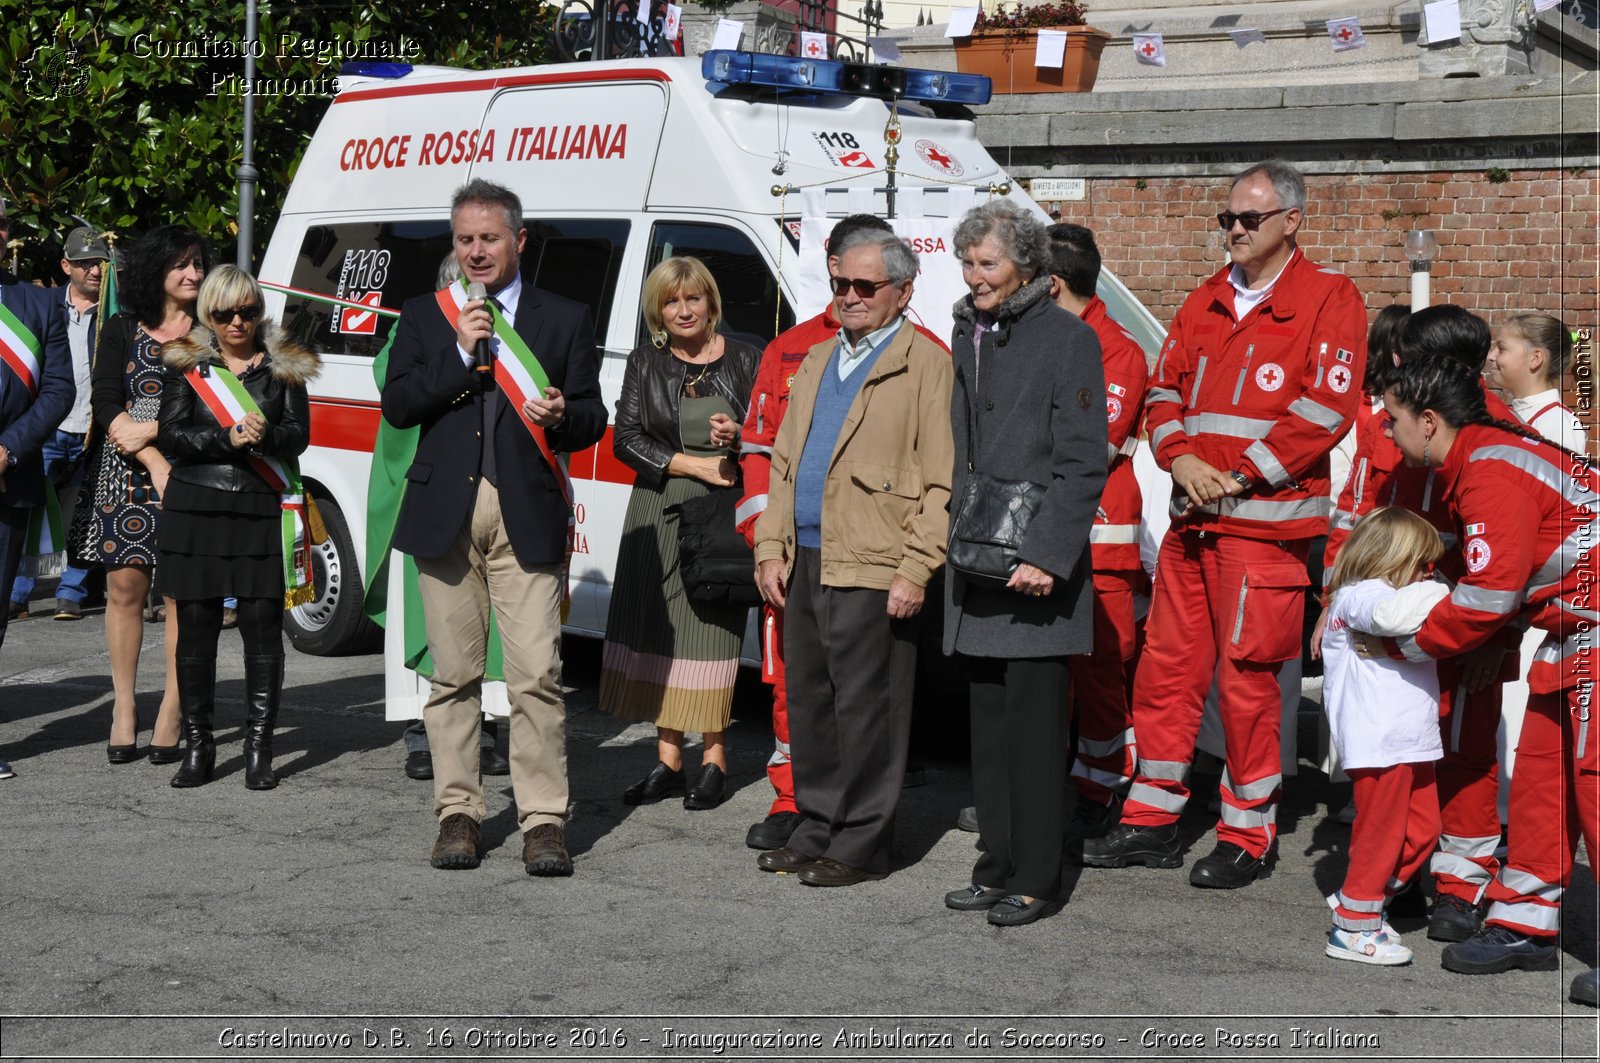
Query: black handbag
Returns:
{"type": "Point", "coordinates": [716, 564]}
{"type": "Point", "coordinates": [990, 522]}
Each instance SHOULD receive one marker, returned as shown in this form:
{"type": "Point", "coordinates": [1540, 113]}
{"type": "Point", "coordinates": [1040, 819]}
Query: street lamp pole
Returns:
{"type": "Point", "coordinates": [247, 172]}
{"type": "Point", "coordinates": [1422, 247]}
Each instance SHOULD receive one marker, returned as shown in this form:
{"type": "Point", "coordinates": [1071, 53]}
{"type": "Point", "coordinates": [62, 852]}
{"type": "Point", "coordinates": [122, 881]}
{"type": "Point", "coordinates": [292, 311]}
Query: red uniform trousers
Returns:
{"type": "Point", "coordinates": [779, 771]}
{"type": "Point", "coordinates": [1231, 607]}
{"type": "Point", "coordinates": [1102, 690]}
{"type": "Point", "coordinates": [1555, 794]}
{"type": "Point", "coordinates": [1469, 787]}
{"type": "Point", "coordinates": [1396, 827]}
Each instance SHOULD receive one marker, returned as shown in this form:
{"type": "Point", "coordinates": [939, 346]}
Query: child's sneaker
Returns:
{"type": "Point", "coordinates": [1367, 946]}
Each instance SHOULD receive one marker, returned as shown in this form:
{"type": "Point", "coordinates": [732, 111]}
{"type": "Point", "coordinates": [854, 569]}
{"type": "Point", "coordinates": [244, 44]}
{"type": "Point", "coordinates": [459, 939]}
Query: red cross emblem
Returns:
{"type": "Point", "coordinates": [1344, 33]}
{"type": "Point", "coordinates": [813, 49]}
{"type": "Point", "coordinates": [1339, 379]}
{"type": "Point", "coordinates": [1269, 377]}
{"type": "Point", "coordinates": [1478, 555]}
{"type": "Point", "coordinates": [939, 157]}
{"type": "Point", "coordinates": [1148, 48]}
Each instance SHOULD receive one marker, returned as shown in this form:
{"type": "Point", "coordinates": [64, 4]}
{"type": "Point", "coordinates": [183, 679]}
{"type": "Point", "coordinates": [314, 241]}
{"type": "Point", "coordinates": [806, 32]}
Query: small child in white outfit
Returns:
{"type": "Point", "coordinates": [1384, 718]}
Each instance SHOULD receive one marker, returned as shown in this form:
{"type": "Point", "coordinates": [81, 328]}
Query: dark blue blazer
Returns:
{"type": "Point", "coordinates": [428, 385]}
{"type": "Point", "coordinates": [27, 421]}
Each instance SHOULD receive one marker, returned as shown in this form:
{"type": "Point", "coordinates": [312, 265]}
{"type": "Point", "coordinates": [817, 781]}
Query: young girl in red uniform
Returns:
{"type": "Point", "coordinates": [1383, 715]}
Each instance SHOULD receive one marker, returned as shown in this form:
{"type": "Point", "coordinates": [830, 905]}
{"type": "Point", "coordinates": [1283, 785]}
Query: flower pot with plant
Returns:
{"type": "Point", "coordinates": [1004, 42]}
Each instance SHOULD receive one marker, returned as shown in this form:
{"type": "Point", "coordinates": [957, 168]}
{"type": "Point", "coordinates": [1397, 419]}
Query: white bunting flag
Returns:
{"type": "Point", "coordinates": [813, 202]}
{"type": "Point", "coordinates": [641, 14]}
{"type": "Point", "coordinates": [861, 200]}
{"type": "Point", "coordinates": [886, 49]}
{"type": "Point", "coordinates": [1443, 18]}
{"type": "Point", "coordinates": [1149, 49]}
{"type": "Point", "coordinates": [909, 202]}
{"type": "Point", "coordinates": [1346, 34]}
{"type": "Point", "coordinates": [962, 22]}
{"type": "Point", "coordinates": [1242, 38]}
{"type": "Point", "coordinates": [729, 32]}
{"type": "Point", "coordinates": [1051, 50]}
{"type": "Point", "coordinates": [813, 45]}
{"type": "Point", "coordinates": [674, 19]}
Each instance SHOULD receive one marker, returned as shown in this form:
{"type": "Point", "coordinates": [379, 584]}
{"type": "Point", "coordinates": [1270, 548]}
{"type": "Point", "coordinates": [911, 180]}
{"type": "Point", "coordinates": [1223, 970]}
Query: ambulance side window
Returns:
{"type": "Point", "coordinates": [376, 265]}
{"type": "Point", "coordinates": [749, 291]}
{"type": "Point", "coordinates": [580, 258]}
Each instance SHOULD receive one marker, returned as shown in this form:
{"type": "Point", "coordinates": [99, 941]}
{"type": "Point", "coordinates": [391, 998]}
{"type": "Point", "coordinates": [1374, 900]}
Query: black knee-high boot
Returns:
{"type": "Point", "coordinates": [197, 687]}
{"type": "Point", "coordinates": [263, 685]}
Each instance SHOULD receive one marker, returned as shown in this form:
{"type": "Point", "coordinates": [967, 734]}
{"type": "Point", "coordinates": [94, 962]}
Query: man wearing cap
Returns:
{"type": "Point", "coordinates": [36, 391]}
{"type": "Point", "coordinates": [83, 262]}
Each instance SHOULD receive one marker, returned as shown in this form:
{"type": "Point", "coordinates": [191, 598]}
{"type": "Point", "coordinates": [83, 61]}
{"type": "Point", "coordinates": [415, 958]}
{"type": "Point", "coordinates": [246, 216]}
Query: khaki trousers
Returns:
{"type": "Point", "coordinates": [479, 571]}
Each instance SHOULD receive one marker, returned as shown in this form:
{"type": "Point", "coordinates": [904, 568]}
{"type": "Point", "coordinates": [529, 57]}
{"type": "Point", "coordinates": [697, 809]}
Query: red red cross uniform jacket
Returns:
{"type": "Point", "coordinates": [1526, 513]}
{"type": "Point", "coordinates": [1102, 680]}
{"type": "Point", "coordinates": [1268, 396]}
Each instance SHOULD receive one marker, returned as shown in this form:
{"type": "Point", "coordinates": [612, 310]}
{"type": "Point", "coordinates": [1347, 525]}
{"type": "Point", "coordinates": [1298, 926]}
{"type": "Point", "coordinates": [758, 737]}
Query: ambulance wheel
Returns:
{"type": "Point", "coordinates": [333, 624]}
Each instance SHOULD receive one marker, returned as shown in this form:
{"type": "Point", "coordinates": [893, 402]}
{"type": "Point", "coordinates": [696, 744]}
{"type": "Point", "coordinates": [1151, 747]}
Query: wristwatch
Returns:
{"type": "Point", "coordinates": [1242, 480]}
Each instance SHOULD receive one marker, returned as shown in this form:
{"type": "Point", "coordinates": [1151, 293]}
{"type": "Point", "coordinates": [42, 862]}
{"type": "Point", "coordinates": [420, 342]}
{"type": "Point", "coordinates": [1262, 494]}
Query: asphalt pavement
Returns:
{"type": "Point", "coordinates": [143, 922]}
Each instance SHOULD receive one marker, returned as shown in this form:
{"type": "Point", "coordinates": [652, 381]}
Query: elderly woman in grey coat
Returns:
{"type": "Point", "coordinates": [1028, 404]}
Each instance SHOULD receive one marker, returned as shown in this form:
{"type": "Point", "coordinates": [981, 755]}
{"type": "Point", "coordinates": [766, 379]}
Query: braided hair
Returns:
{"type": "Point", "coordinates": [1455, 393]}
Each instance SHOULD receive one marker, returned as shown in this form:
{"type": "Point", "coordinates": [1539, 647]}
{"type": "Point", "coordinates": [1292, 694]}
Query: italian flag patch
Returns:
{"type": "Point", "coordinates": [1476, 529]}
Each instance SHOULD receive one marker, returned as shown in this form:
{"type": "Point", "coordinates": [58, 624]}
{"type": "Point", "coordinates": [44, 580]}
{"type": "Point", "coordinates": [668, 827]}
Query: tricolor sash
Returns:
{"type": "Point", "coordinates": [19, 350]}
{"type": "Point", "coordinates": [229, 403]}
{"type": "Point", "coordinates": [519, 375]}
{"type": "Point", "coordinates": [44, 548]}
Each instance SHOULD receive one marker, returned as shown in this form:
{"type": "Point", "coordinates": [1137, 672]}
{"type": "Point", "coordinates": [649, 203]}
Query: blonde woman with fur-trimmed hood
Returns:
{"type": "Point", "coordinates": [234, 417]}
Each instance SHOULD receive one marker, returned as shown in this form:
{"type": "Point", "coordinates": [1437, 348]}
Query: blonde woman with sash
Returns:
{"type": "Point", "coordinates": [234, 418]}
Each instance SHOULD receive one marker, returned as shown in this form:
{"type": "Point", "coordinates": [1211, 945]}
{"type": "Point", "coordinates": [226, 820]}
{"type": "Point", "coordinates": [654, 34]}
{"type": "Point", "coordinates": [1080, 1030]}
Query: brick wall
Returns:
{"type": "Point", "coordinates": [1526, 243]}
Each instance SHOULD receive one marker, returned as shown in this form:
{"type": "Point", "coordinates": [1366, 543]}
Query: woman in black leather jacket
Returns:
{"type": "Point", "coordinates": [222, 524]}
{"type": "Point", "coordinates": [670, 659]}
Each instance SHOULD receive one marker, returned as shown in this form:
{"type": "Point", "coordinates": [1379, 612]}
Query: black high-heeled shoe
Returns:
{"type": "Point", "coordinates": [662, 781]}
{"type": "Point", "coordinates": [122, 754]}
{"type": "Point", "coordinates": [164, 754]}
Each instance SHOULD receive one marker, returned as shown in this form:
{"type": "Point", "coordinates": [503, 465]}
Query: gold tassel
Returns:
{"type": "Point", "coordinates": [304, 595]}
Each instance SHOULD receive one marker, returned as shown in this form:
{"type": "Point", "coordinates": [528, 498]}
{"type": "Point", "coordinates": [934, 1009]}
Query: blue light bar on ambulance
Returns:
{"type": "Point", "coordinates": [362, 69]}
{"type": "Point", "coordinates": [850, 79]}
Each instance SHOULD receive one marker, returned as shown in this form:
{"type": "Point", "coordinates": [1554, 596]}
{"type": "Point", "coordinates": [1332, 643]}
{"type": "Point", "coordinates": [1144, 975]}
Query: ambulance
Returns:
{"type": "Point", "coordinates": [741, 160]}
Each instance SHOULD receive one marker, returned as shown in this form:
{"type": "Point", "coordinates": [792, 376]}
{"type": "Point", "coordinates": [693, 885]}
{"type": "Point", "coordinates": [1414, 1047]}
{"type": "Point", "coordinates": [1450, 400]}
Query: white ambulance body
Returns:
{"type": "Point", "coordinates": [618, 165]}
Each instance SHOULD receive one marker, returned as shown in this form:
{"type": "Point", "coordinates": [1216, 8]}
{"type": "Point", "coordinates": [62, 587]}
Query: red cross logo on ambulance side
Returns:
{"type": "Point", "coordinates": [1269, 377]}
{"type": "Point", "coordinates": [1478, 555]}
{"type": "Point", "coordinates": [938, 158]}
{"type": "Point", "coordinates": [1339, 379]}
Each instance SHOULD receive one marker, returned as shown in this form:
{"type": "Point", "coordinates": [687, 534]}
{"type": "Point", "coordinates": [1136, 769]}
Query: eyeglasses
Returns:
{"type": "Point", "coordinates": [863, 289]}
{"type": "Point", "coordinates": [1250, 219]}
{"type": "Point", "coordinates": [246, 314]}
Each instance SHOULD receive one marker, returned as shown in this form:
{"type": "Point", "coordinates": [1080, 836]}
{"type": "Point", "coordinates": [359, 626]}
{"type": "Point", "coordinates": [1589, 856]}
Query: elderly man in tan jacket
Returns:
{"type": "Point", "coordinates": [855, 527]}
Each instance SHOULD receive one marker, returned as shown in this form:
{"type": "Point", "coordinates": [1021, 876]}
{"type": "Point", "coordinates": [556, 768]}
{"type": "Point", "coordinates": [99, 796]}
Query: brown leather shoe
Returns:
{"type": "Point", "coordinates": [829, 872]}
{"type": "Point", "coordinates": [784, 860]}
{"type": "Point", "coordinates": [456, 848]}
{"type": "Point", "coordinates": [544, 851]}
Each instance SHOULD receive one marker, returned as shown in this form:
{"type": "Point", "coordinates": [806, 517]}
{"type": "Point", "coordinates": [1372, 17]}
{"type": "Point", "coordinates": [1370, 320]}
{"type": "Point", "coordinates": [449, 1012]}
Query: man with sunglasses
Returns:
{"type": "Point", "coordinates": [854, 529]}
{"type": "Point", "coordinates": [1258, 380]}
{"type": "Point", "coordinates": [36, 391]}
{"type": "Point", "coordinates": [83, 261]}
{"type": "Point", "coordinates": [768, 402]}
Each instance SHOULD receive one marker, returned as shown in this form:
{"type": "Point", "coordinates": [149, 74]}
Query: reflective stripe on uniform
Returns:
{"type": "Point", "coordinates": [1471, 848]}
{"type": "Point", "coordinates": [1344, 900]}
{"type": "Point", "coordinates": [1316, 413]}
{"type": "Point", "coordinates": [1252, 791]}
{"type": "Point", "coordinates": [1113, 533]}
{"type": "Point", "coordinates": [1459, 867]}
{"type": "Point", "coordinates": [1411, 651]}
{"type": "Point", "coordinates": [1540, 468]}
{"type": "Point", "coordinates": [1585, 614]}
{"type": "Point", "coordinates": [1529, 885]}
{"type": "Point", "coordinates": [1342, 521]}
{"type": "Point", "coordinates": [780, 754]}
{"type": "Point", "coordinates": [1164, 770]}
{"type": "Point", "coordinates": [1559, 563]}
{"type": "Point", "coordinates": [750, 507]}
{"type": "Point", "coordinates": [1089, 747]}
{"type": "Point", "coordinates": [1250, 818]}
{"type": "Point", "coordinates": [1109, 779]}
{"type": "Point", "coordinates": [1268, 463]}
{"type": "Point", "coordinates": [754, 448]}
{"type": "Point", "coordinates": [1199, 374]}
{"type": "Point", "coordinates": [1276, 512]}
{"type": "Point", "coordinates": [1162, 395]}
{"type": "Point", "coordinates": [1526, 914]}
{"type": "Point", "coordinates": [1226, 424]}
{"type": "Point", "coordinates": [1161, 433]}
{"type": "Point", "coordinates": [1485, 600]}
{"type": "Point", "coordinates": [1144, 794]}
{"type": "Point", "coordinates": [1552, 652]}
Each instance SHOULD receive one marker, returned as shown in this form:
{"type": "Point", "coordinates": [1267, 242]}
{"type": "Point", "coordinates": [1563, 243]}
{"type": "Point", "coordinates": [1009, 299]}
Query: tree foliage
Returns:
{"type": "Point", "coordinates": [130, 113]}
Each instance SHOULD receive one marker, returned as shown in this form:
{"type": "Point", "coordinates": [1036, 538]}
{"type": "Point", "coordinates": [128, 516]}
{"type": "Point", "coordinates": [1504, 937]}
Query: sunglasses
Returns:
{"type": "Point", "coordinates": [246, 314]}
{"type": "Point", "coordinates": [1250, 219]}
{"type": "Point", "coordinates": [863, 289]}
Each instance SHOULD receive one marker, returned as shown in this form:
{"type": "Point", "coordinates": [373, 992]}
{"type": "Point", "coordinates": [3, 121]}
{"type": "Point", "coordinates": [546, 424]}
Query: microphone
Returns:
{"type": "Point", "coordinates": [483, 353]}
